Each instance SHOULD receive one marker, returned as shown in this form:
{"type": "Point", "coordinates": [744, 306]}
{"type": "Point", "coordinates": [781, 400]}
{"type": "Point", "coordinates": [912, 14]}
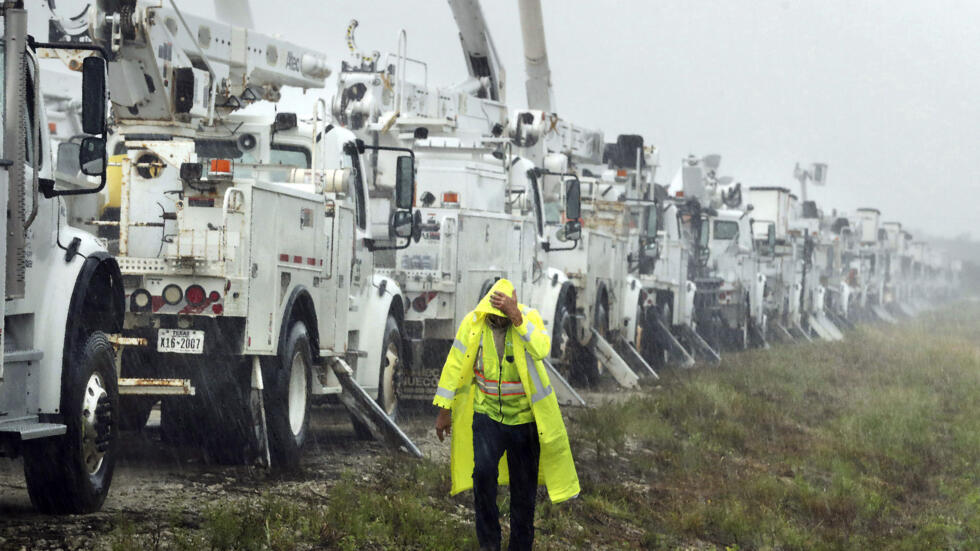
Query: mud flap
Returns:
{"type": "Point", "coordinates": [701, 346]}
{"type": "Point", "coordinates": [885, 315]}
{"type": "Point", "coordinates": [563, 390]}
{"type": "Point", "coordinates": [256, 406]}
{"type": "Point", "coordinates": [367, 411]}
{"type": "Point", "coordinates": [675, 346]}
{"type": "Point", "coordinates": [636, 361]}
{"type": "Point", "coordinates": [613, 362]}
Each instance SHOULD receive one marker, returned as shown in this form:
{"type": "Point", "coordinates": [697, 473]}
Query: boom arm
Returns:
{"type": "Point", "coordinates": [539, 94]}
{"type": "Point", "coordinates": [478, 49]}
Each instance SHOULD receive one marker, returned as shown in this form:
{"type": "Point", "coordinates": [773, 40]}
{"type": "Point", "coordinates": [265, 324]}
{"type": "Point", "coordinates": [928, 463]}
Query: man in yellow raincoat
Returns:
{"type": "Point", "coordinates": [498, 405]}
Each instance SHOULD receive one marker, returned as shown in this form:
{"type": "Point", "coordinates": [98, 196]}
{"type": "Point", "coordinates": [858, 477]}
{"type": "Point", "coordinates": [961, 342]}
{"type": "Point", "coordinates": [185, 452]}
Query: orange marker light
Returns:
{"type": "Point", "coordinates": [220, 166]}
{"type": "Point", "coordinates": [450, 197]}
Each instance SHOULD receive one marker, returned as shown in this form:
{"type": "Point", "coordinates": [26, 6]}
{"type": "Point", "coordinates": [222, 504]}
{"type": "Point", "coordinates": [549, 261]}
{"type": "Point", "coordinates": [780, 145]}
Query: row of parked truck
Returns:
{"type": "Point", "coordinates": [235, 268]}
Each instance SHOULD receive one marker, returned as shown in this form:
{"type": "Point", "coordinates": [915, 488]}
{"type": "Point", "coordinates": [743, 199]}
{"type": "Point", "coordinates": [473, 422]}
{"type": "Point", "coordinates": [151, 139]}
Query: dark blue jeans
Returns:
{"type": "Point", "coordinates": [490, 440]}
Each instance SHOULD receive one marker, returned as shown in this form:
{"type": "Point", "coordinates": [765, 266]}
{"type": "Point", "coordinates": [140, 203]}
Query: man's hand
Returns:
{"type": "Point", "coordinates": [507, 305]}
{"type": "Point", "coordinates": [444, 423]}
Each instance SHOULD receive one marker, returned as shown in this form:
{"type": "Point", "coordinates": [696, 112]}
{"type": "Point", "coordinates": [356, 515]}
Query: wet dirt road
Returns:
{"type": "Point", "coordinates": [158, 485]}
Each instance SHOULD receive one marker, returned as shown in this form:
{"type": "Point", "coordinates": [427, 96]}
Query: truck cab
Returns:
{"type": "Point", "coordinates": [63, 293]}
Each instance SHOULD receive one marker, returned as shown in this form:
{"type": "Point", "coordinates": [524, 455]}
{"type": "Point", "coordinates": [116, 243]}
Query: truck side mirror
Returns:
{"type": "Point", "coordinates": [573, 199]}
{"type": "Point", "coordinates": [93, 96]}
{"type": "Point", "coordinates": [405, 183]}
{"type": "Point", "coordinates": [92, 156]}
{"type": "Point", "coordinates": [573, 230]}
{"type": "Point", "coordinates": [402, 224]}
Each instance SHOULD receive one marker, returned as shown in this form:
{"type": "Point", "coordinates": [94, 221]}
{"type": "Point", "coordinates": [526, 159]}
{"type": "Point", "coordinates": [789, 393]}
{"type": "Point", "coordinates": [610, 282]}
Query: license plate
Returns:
{"type": "Point", "coordinates": [181, 341]}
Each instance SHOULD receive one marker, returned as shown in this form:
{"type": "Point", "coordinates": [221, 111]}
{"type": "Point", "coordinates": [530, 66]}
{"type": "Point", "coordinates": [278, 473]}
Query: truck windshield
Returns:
{"type": "Point", "coordinates": [725, 229]}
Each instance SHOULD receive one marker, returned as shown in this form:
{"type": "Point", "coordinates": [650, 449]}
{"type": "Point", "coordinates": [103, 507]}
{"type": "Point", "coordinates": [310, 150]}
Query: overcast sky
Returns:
{"type": "Point", "coordinates": [886, 92]}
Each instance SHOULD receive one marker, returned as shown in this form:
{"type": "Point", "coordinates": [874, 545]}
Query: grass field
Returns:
{"type": "Point", "coordinates": [873, 443]}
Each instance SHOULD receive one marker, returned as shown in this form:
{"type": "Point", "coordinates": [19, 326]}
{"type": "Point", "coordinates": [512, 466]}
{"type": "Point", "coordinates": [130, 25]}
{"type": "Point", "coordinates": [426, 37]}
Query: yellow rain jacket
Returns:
{"type": "Point", "coordinates": [457, 391]}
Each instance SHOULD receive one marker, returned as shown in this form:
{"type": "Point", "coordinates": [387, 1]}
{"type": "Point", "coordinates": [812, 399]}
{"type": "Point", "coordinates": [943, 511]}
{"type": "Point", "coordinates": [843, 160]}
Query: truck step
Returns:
{"type": "Point", "coordinates": [614, 362]}
{"type": "Point", "coordinates": [22, 356]}
{"type": "Point", "coordinates": [29, 428]}
{"type": "Point", "coordinates": [156, 387]}
{"type": "Point", "coordinates": [367, 411]}
{"type": "Point", "coordinates": [563, 390]}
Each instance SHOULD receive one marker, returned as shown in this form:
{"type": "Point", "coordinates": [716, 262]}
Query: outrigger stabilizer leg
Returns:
{"type": "Point", "coordinates": [367, 411]}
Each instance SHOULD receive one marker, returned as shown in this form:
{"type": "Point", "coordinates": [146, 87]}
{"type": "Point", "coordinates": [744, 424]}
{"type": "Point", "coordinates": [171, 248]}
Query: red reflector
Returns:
{"type": "Point", "coordinates": [422, 301]}
{"type": "Point", "coordinates": [217, 309]}
{"type": "Point", "coordinates": [311, 261]}
{"type": "Point", "coordinates": [194, 295]}
{"type": "Point", "coordinates": [214, 296]}
{"type": "Point", "coordinates": [284, 258]}
{"type": "Point", "coordinates": [297, 259]}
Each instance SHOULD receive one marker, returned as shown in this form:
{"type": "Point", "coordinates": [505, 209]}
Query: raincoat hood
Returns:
{"type": "Point", "coordinates": [502, 285]}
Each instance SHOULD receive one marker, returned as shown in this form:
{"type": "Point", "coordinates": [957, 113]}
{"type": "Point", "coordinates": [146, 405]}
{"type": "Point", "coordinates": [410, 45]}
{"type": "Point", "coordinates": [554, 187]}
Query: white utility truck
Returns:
{"type": "Point", "coordinates": [63, 306]}
{"type": "Point", "coordinates": [246, 245]}
{"type": "Point", "coordinates": [589, 279]}
{"type": "Point", "coordinates": [475, 197]}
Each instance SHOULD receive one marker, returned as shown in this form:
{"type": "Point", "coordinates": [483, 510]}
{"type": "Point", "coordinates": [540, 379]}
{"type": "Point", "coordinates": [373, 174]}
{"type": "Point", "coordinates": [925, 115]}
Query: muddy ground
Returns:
{"type": "Point", "coordinates": [157, 483]}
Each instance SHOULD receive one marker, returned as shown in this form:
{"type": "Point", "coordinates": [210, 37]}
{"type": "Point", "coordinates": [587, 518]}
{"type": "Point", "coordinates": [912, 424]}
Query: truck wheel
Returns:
{"type": "Point", "coordinates": [392, 358]}
{"type": "Point", "coordinates": [287, 398]}
{"type": "Point", "coordinates": [71, 474]}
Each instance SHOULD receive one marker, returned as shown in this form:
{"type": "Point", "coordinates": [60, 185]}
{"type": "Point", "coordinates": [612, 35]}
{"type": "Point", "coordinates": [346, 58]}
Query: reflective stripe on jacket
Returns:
{"type": "Point", "coordinates": [500, 395]}
{"type": "Point", "coordinates": [457, 391]}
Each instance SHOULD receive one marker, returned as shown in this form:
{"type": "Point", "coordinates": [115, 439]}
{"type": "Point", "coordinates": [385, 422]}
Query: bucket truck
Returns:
{"type": "Point", "coordinates": [246, 245]}
{"type": "Point", "coordinates": [589, 312]}
{"type": "Point", "coordinates": [63, 307]}
{"type": "Point", "coordinates": [480, 207]}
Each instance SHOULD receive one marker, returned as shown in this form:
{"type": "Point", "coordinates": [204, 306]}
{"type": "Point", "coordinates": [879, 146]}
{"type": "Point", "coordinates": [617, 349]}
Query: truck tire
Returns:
{"type": "Point", "coordinates": [71, 474]}
{"type": "Point", "coordinates": [287, 397]}
{"type": "Point", "coordinates": [392, 358]}
{"type": "Point", "coordinates": [578, 362]}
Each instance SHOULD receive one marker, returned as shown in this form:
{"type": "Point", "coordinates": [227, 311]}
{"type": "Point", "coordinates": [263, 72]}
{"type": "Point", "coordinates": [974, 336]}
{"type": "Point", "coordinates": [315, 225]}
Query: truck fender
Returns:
{"type": "Point", "coordinates": [377, 301]}
{"type": "Point", "coordinates": [65, 310]}
{"type": "Point", "coordinates": [299, 306]}
{"type": "Point", "coordinates": [545, 294]}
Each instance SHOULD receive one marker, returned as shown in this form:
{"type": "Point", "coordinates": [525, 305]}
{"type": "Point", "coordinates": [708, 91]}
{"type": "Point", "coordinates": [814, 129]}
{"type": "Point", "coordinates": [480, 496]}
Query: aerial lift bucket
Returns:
{"type": "Point", "coordinates": [612, 361]}
{"type": "Point", "coordinates": [367, 411]}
